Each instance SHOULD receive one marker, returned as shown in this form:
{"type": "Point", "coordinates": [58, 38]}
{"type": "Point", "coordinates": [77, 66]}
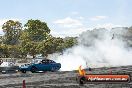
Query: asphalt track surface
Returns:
{"type": "Point", "coordinates": [65, 79]}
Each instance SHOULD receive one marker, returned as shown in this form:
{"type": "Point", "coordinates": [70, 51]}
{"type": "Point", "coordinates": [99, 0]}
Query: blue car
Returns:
{"type": "Point", "coordinates": [44, 65]}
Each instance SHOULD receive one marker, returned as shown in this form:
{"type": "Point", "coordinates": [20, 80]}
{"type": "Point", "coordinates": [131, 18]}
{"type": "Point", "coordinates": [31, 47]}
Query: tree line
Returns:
{"type": "Point", "coordinates": [33, 38]}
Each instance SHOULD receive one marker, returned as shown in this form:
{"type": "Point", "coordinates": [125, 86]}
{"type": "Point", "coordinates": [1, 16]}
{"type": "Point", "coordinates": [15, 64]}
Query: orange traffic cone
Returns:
{"type": "Point", "coordinates": [24, 84]}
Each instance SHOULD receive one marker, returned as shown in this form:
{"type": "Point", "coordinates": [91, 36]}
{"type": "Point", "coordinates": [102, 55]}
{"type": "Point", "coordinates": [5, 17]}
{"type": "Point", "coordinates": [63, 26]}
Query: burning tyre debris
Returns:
{"type": "Point", "coordinates": [101, 78]}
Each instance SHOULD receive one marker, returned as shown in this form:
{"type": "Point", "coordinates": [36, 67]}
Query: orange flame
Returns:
{"type": "Point", "coordinates": [82, 72]}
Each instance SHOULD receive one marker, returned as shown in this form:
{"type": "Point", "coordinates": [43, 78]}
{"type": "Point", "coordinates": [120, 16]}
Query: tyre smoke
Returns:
{"type": "Point", "coordinates": [98, 48]}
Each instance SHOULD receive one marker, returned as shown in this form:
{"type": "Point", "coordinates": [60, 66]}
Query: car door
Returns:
{"type": "Point", "coordinates": [44, 65]}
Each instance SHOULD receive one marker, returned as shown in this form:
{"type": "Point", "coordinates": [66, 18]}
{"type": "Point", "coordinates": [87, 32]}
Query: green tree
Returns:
{"type": "Point", "coordinates": [69, 42]}
{"type": "Point", "coordinates": [1, 39]}
{"type": "Point", "coordinates": [4, 51]}
{"type": "Point", "coordinates": [12, 30]}
{"type": "Point", "coordinates": [24, 43]}
{"type": "Point", "coordinates": [37, 30]}
{"type": "Point", "coordinates": [27, 46]}
{"type": "Point", "coordinates": [51, 45]}
{"type": "Point", "coordinates": [14, 51]}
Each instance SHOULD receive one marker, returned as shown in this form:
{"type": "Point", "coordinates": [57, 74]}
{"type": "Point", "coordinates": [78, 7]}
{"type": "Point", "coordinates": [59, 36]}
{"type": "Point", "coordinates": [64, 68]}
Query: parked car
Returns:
{"type": "Point", "coordinates": [43, 65]}
{"type": "Point", "coordinates": [8, 67]}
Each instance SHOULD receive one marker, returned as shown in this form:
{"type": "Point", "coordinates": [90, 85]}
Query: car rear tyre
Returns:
{"type": "Point", "coordinates": [23, 71]}
{"type": "Point", "coordinates": [33, 69]}
{"type": "Point", "coordinates": [82, 80]}
{"type": "Point", "coordinates": [53, 69]}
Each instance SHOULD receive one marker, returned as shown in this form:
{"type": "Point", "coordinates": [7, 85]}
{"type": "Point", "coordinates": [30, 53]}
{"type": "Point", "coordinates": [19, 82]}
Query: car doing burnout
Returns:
{"type": "Point", "coordinates": [44, 65]}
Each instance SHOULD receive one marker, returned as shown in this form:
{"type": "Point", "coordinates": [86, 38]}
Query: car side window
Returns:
{"type": "Point", "coordinates": [47, 61]}
{"type": "Point", "coordinates": [52, 61]}
{"type": "Point", "coordinates": [44, 61]}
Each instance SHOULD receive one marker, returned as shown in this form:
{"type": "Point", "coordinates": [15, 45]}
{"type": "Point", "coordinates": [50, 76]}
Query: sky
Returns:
{"type": "Point", "coordinates": [69, 17]}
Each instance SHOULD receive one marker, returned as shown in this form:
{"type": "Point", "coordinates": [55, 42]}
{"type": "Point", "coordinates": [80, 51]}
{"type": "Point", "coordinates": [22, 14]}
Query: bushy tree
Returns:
{"type": "Point", "coordinates": [51, 45]}
{"type": "Point", "coordinates": [37, 30]}
{"type": "Point", "coordinates": [12, 30]}
{"type": "Point", "coordinates": [34, 39]}
{"type": "Point", "coordinates": [69, 42]}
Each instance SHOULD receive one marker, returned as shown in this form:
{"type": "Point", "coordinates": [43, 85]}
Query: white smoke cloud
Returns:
{"type": "Point", "coordinates": [107, 25]}
{"type": "Point", "coordinates": [97, 18]}
{"type": "Point", "coordinates": [68, 22]}
{"type": "Point", "coordinates": [74, 13]}
{"type": "Point", "coordinates": [97, 49]}
{"type": "Point", "coordinates": [72, 32]}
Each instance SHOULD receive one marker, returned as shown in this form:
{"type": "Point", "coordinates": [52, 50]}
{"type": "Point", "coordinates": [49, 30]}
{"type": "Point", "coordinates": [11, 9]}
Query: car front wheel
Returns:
{"type": "Point", "coordinates": [33, 69]}
{"type": "Point", "coordinates": [23, 71]}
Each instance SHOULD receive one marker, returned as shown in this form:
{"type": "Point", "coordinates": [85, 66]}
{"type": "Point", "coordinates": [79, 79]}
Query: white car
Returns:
{"type": "Point", "coordinates": [8, 67]}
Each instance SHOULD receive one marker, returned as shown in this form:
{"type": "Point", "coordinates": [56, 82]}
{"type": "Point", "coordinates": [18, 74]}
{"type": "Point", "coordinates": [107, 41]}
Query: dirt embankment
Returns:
{"type": "Point", "coordinates": [60, 79]}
